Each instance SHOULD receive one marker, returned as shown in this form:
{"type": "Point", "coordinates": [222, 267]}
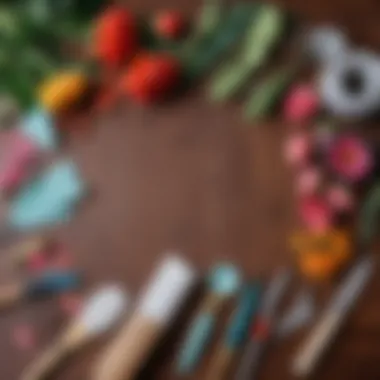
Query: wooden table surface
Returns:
{"type": "Point", "coordinates": [193, 177]}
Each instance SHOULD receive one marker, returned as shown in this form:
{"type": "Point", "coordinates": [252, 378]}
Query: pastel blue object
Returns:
{"type": "Point", "coordinates": [51, 198]}
{"type": "Point", "coordinates": [224, 280]}
{"type": "Point", "coordinates": [244, 315]}
{"type": "Point", "coordinates": [39, 126]}
{"type": "Point", "coordinates": [52, 283]}
{"type": "Point", "coordinates": [196, 342]}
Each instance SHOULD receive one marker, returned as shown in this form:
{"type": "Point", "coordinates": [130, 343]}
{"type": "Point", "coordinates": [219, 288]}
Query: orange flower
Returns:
{"type": "Point", "coordinates": [321, 255]}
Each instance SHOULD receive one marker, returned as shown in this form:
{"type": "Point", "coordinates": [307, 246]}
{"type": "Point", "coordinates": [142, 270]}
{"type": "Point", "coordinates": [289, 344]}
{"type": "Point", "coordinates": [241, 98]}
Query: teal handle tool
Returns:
{"type": "Point", "coordinates": [197, 339]}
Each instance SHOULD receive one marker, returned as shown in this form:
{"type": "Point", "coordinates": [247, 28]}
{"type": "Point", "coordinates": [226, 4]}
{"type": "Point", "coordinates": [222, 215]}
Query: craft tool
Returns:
{"type": "Point", "coordinates": [22, 252]}
{"type": "Point", "coordinates": [100, 312]}
{"type": "Point", "coordinates": [155, 310]}
{"type": "Point", "coordinates": [47, 284]}
{"type": "Point", "coordinates": [51, 198]}
{"type": "Point", "coordinates": [224, 282]}
{"type": "Point", "coordinates": [18, 164]}
{"type": "Point", "coordinates": [342, 301]}
{"type": "Point", "coordinates": [264, 326]}
{"type": "Point", "coordinates": [299, 314]}
{"type": "Point", "coordinates": [237, 333]}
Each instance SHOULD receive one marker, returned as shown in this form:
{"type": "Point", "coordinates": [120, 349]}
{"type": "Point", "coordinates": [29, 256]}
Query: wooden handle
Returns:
{"type": "Point", "coordinates": [73, 339]}
{"type": "Point", "coordinates": [9, 295]}
{"type": "Point", "coordinates": [220, 365]}
{"type": "Point", "coordinates": [316, 344]}
{"type": "Point", "coordinates": [128, 352]}
{"type": "Point", "coordinates": [43, 367]}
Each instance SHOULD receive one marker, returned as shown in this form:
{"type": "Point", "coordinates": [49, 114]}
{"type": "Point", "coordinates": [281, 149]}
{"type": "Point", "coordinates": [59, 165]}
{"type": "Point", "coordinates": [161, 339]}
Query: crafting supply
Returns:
{"type": "Point", "coordinates": [39, 126]}
{"type": "Point", "coordinates": [199, 60]}
{"type": "Point", "coordinates": [98, 315]}
{"type": "Point", "coordinates": [266, 95]}
{"type": "Point", "coordinates": [326, 43]}
{"type": "Point", "coordinates": [47, 284]}
{"type": "Point", "coordinates": [342, 301]}
{"type": "Point", "coordinates": [25, 251]}
{"type": "Point", "coordinates": [224, 282]}
{"type": "Point", "coordinates": [19, 162]}
{"type": "Point", "coordinates": [155, 310]}
{"type": "Point", "coordinates": [350, 86]}
{"type": "Point", "coordinates": [237, 333]}
{"type": "Point", "coordinates": [264, 327]}
{"type": "Point", "coordinates": [299, 314]}
{"type": "Point", "coordinates": [265, 32]}
{"type": "Point", "coordinates": [49, 199]}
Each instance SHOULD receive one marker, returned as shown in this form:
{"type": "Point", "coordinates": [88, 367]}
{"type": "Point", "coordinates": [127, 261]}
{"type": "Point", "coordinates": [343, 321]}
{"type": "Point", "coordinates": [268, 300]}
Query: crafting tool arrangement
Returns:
{"type": "Point", "coordinates": [151, 61]}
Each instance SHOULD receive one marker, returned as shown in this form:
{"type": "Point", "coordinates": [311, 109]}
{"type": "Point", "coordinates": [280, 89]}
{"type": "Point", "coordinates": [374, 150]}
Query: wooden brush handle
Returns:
{"type": "Point", "coordinates": [221, 363]}
{"type": "Point", "coordinates": [45, 365]}
{"type": "Point", "coordinates": [9, 295]}
{"type": "Point", "coordinates": [129, 351]}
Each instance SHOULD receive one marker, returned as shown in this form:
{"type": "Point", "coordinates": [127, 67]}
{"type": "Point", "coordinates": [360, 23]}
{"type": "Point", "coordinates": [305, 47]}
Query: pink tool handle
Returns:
{"type": "Point", "coordinates": [21, 156]}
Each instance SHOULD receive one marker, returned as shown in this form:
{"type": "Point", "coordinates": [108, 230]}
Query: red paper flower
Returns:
{"type": "Point", "coordinates": [308, 181]}
{"type": "Point", "coordinates": [340, 198]}
{"type": "Point", "coordinates": [301, 104]}
{"type": "Point", "coordinates": [316, 213]}
{"type": "Point", "coordinates": [298, 149]}
{"type": "Point", "coordinates": [351, 158]}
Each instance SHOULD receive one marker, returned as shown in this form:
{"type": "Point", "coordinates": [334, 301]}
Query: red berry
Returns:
{"type": "Point", "coordinates": [115, 36]}
{"type": "Point", "coordinates": [151, 77]}
{"type": "Point", "coordinates": [170, 24]}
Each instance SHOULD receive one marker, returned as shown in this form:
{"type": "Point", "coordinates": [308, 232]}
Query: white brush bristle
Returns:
{"type": "Point", "coordinates": [103, 309]}
{"type": "Point", "coordinates": [167, 290]}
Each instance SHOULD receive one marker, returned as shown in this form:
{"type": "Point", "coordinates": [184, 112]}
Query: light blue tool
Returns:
{"type": "Point", "coordinates": [51, 198]}
{"type": "Point", "coordinates": [39, 126]}
{"type": "Point", "coordinates": [224, 282]}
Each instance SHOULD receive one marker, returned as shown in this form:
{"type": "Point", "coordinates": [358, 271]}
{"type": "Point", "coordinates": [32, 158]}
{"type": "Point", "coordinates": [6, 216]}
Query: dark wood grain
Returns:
{"type": "Point", "coordinates": [193, 177]}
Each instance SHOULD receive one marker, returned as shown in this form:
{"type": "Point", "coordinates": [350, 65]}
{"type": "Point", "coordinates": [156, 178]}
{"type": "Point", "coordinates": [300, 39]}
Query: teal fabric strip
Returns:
{"type": "Point", "coordinates": [248, 306]}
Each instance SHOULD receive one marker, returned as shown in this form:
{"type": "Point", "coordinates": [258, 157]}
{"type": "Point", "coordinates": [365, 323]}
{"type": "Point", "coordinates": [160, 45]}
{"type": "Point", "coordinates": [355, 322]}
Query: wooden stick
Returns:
{"type": "Point", "coordinates": [123, 358]}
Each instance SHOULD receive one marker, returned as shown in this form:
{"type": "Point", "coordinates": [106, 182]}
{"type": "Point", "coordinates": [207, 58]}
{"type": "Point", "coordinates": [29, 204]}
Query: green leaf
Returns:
{"type": "Point", "coordinates": [369, 216]}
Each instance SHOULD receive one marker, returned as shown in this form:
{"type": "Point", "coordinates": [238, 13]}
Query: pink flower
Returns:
{"type": "Point", "coordinates": [308, 181]}
{"type": "Point", "coordinates": [302, 103]}
{"type": "Point", "coordinates": [351, 158]}
{"type": "Point", "coordinates": [297, 149]}
{"type": "Point", "coordinates": [340, 198]}
{"type": "Point", "coordinates": [316, 213]}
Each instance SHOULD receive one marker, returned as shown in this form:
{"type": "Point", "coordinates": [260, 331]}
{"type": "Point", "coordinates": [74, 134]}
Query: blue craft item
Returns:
{"type": "Point", "coordinates": [49, 199]}
{"type": "Point", "coordinates": [224, 281]}
{"type": "Point", "coordinates": [39, 126]}
{"type": "Point", "coordinates": [242, 319]}
{"type": "Point", "coordinates": [52, 283]}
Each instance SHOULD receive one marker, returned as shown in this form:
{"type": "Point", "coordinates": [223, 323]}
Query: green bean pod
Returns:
{"type": "Point", "coordinates": [267, 94]}
{"type": "Point", "coordinates": [264, 34]}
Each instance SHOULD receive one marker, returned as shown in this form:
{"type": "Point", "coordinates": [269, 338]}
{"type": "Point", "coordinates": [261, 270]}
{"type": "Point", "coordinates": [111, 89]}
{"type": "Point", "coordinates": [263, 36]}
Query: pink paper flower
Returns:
{"type": "Point", "coordinates": [316, 213]}
{"type": "Point", "coordinates": [351, 158]}
{"type": "Point", "coordinates": [308, 181]}
{"type": "Point", "coordinates": [297, 149]}
{"type": "Point", "coordinates": [340, 198]}
{"type": "Point", "coordinates": [302, 104]}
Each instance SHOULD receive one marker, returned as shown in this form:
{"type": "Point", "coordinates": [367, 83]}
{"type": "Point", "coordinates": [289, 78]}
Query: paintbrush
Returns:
{"type": "Point", "coordinates": [332, 319]}
{"type": "Point", "coordinates": [224, 282]}
{"type": "Point", "coordinates": [263, 328]}
{"type": "Point", "coordinates": [47, 284]}
{"type": "Point", "coordinates": [155, 310]}
{"type": "Point", "coordinates": [99, 314]}
{"type": "Point", "coordinates": [237, 333]}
